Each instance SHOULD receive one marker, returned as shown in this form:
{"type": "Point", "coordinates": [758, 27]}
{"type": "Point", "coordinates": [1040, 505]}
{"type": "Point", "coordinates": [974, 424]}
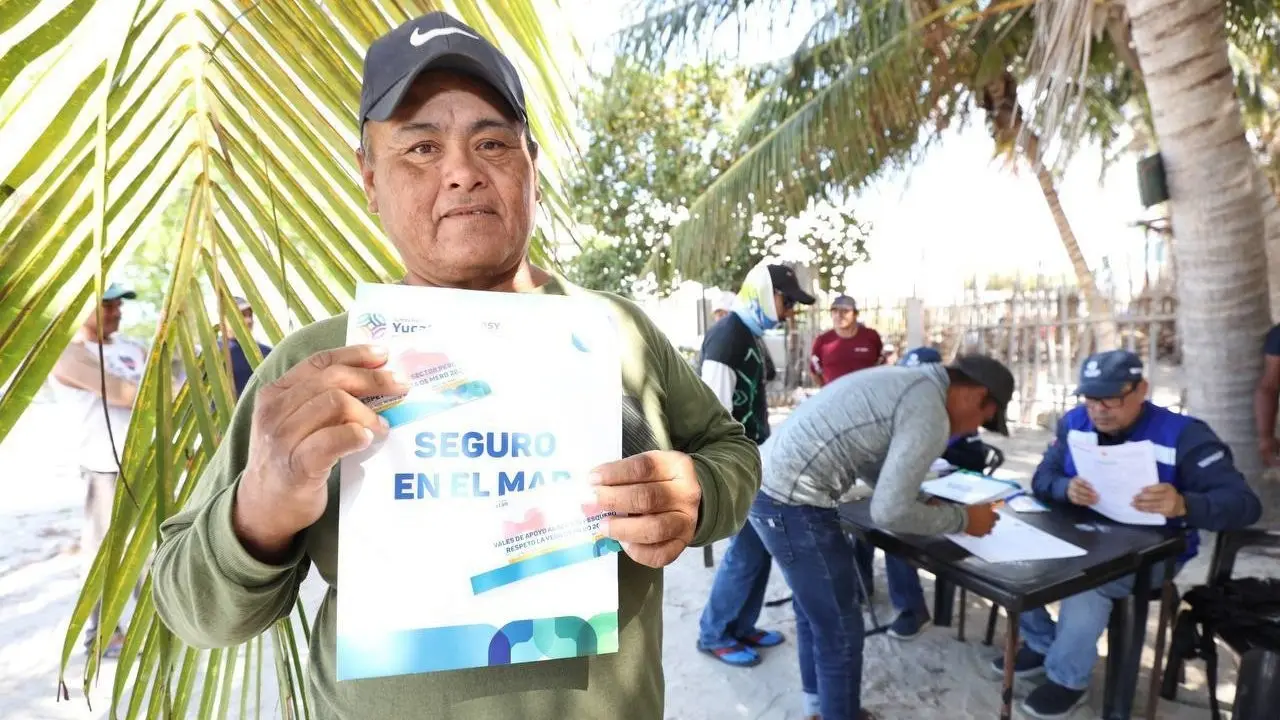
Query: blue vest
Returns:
{"type": "Point", "coordinates": [1162, 427]}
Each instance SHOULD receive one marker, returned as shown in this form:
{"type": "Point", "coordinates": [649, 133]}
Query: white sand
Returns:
{"type": "Point", "coordinates": [933, 677]}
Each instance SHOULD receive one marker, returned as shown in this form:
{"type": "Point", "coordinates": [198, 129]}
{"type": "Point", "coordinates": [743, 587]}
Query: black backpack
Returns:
{"type": "Point", "coordinates": [1244, 612]}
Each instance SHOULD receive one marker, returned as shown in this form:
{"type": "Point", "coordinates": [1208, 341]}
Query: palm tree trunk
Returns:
{"type": "Point", "coordinates": [1271, 220]}
{"type": "Point", "coordinates": [1217, 218]}
{"type": "Point", "coordinates": [1106, 333]}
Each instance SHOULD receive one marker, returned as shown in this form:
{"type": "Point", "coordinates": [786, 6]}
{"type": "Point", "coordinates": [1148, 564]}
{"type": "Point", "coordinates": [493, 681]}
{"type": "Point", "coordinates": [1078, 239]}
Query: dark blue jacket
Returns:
{"type": "Point", "coordinates": [967, 452]}
{"type": "Point", "coordinates": [240, 368]}
{"type": "Point", "coordinates": [1201, 468]}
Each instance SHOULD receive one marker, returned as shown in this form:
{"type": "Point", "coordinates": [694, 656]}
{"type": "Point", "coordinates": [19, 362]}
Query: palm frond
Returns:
{"type": "Point", "coordinates": [853, 103]}
{"type": "Point", "coordinates": [211, 104]}
{"type": "Point", "coordinates": [668, 27]}
{"type": "Point", "coordinates": [1060, 66]}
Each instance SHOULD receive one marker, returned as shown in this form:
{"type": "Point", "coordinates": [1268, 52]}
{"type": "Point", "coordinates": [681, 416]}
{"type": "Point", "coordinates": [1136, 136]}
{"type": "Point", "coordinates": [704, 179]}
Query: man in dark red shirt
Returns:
{"type": "Point", "coordinates": [849, 346]}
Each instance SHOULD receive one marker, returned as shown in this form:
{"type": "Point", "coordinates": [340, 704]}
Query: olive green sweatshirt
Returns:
{"type": "Point", "coordinates": [212, 593]}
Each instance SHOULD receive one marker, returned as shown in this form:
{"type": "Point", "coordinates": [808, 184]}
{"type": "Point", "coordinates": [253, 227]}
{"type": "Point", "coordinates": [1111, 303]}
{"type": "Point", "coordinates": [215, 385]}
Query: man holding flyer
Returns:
{"type": "Point", "coordinates": [1198, 487]}
{"type": "Point", "coordinates": [449, 166]}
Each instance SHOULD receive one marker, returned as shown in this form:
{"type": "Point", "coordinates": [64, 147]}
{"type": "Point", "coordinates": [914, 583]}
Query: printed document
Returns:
{"type": "Point", "coordinates": [1117, 474]}
{"type": "Point", "coordinates": [1013, 540]}
{"type": "Point", "coordinates": [969, 488]}
{"type": "Point", "coordinates": [470, 536]}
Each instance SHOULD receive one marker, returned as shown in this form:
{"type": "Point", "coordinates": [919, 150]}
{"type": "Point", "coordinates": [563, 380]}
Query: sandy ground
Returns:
{"type": "Point", "coordinates": [932, 677]}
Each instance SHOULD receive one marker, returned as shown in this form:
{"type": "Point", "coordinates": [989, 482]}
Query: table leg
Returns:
{"type": "Point", "coordinates": [708, 556]}
{"type": "Point", "coordinates": [1010, 655]}
{"type": "Point", "coordinates": [1167, 599]}
{"type": "Point", "coordinates": [960, 621]}
{"type": "Point", "coordinates": [943, 598]}
{"type": "Point", "coordinates": [1118, 703]}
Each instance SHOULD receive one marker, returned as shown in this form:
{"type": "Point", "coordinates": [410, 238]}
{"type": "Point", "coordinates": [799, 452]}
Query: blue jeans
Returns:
{"type": "Point", "coordinates": [905, 591]}
{"type": "Point", "coordinates": [737, 593]}
{"type": "Point", "coordinates": [864, 554]}
{"type": "Point", "coordinates": [816, 558]}
{"type": "Point", "coordinates": [1070, 646]}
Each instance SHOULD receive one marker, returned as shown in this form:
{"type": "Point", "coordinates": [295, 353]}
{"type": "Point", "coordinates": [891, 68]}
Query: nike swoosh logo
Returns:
{"type": "Point", "coordinates": [417, 40]}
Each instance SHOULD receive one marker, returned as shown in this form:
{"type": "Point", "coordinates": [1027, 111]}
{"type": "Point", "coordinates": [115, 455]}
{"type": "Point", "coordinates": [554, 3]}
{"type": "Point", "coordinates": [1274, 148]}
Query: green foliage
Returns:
{"type": "Point", "coordinates": [657, 139]}
{"type": "Point", "coordinates": [654, 140]}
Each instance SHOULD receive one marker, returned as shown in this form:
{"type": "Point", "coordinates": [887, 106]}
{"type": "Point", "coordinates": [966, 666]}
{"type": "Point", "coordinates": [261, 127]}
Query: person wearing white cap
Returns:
{"type": "Point", "coordinates": [722, 305]}
{"type": "Point", "coordinates": [97, 377]}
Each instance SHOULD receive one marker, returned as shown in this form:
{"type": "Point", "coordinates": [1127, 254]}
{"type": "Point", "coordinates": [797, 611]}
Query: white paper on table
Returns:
{"type": "Point", "coordinates": [939, 465]}
{"type": "Point", "coordinates": [1117, 473]}
{"type": "Point", "coordinates": [968, 488]}
{"type": "Point", "coordinates": [1013, 540]}
{"type": "Point", "coordinates": [1026, 504]}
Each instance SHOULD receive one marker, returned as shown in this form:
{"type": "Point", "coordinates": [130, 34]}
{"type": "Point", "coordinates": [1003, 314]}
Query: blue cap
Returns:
{"type": "Point", "coordinates": [844, 301]}
{"type": "Point", "coordinates": [115, 291]}
{"type": "Point", "coordinates": [1106, 374]}
{"type": "Point", "coordinates": [920, 356]}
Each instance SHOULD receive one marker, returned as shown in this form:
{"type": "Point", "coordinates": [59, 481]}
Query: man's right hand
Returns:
{"type": "Point", "coordinates": [982, 519]}
{"type": "Point", "coordinates": [1080, 492]}
{"type": "Point", "coordinates": [303, 424]}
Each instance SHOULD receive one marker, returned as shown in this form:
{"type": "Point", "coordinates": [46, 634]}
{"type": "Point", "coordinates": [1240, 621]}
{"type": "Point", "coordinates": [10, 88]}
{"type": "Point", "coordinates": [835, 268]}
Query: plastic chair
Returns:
{"type": "Point", "coordinates": [1258, 682]}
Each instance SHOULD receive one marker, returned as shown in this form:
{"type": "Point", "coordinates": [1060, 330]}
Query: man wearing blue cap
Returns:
{"type": "Point", "coordinates": [97, 379]}
{"type": "Point", "coordinates": [1199, 488]}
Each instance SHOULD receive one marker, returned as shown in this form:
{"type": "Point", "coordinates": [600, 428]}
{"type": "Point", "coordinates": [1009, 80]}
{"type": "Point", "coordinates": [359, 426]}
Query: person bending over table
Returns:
{"type": "Point", "coordinates": [965, 451]}
{"type": "Point", "coordinates": [884, 425]}
{"type": "Point", "coordinates": [1199, 488]}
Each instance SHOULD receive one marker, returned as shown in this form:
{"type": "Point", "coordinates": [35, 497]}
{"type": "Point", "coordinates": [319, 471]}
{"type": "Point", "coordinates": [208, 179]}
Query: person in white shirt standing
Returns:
{"type": "Point", "coordinates": [97, 378]}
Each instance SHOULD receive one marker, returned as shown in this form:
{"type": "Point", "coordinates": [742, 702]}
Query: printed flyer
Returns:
{"type": "Point", "coordinates": [469, 537]}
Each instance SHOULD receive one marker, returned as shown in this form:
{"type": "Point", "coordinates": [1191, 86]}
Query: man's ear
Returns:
{"type": "Point", "coordinates": [364, 160]}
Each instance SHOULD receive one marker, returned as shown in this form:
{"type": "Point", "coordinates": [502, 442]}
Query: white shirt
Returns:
{"type": "Point", "coordinates": [125, 359]}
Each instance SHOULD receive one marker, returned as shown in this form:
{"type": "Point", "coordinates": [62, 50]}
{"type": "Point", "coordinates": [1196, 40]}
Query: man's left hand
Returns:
{"type": "Point", "coordinates": [660, 494]}
{"type": "Point", "coordinates": [1161, 498]}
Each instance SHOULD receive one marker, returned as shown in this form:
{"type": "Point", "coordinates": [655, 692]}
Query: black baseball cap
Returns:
{"type": "Point", "coordinates": [1108, 374]}
{"type": "Point", "coordinates": [784, 280]}
{"type": "Point", "coordinates": [435, 41]}
{"type": "Point", "coordinates": [996, 378]}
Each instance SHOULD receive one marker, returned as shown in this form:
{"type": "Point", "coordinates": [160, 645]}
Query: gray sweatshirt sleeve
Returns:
{"type": "Point", "coordinates": [920, 428]}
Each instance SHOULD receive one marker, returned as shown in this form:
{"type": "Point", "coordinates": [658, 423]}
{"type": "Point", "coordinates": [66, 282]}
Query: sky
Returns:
{"type": "Point", "coordinates": [957, 214]}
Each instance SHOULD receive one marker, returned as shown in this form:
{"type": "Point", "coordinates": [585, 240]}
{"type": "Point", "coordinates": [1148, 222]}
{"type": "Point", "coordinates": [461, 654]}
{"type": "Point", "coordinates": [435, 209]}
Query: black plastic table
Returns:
{"type": "Point", "coordinates": [1114, 550]}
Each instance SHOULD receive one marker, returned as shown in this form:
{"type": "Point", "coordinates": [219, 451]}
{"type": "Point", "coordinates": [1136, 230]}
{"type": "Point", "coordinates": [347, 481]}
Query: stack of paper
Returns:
{"type": "Point", "coordinates": [969, 488]}
{"type": "Point", "coordinates": [1013, 540]}
{"type": "Point", "coordinates": [1117, 474]}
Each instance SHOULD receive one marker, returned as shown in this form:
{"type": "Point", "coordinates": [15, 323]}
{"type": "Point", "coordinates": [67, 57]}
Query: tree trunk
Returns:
{"type": "Point", "coordinates": [1216, 216]}
{"type": "Point", "coordinates": [1271, 219]}
{"type": "Point", "coordinates": [1104, 323]}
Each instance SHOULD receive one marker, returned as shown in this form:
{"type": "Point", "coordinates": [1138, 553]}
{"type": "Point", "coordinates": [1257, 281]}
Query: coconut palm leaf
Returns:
{"type": "Point", "coordinates": [245, 112]}
{"type": "Point", "coordinates": [852, 102]}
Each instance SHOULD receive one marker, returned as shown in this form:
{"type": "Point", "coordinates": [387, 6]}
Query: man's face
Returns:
{"type": "Point", "coordinates": [1115, 414]}
{"type": "Point", "coordinates": [970, 407]}
{"type": "Point", "coordinates": [111, 312]}
{"type": "Point", "coordinates": [784, 306]}
{"type": "Point", "coordinates": [247, 315]}
{"type": "Point", "coordinates": [453, 181]}
{"type": "Point", "coordinates": [844, 318]}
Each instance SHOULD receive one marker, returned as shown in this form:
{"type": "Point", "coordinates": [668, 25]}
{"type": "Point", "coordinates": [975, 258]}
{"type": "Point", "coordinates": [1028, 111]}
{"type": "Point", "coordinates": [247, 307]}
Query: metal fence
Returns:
{"type": "Point", "coordinates": [1042, 334]}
